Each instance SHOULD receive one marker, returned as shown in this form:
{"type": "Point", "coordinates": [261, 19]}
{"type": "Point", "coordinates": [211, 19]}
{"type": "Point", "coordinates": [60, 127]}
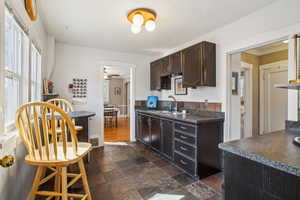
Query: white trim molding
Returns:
{"type": "Point", "coordinates": [132, 69]}
{"type": "Point", "coordinates": [249, 97]}
{"type": "Point", "coordinates": [275, 67]}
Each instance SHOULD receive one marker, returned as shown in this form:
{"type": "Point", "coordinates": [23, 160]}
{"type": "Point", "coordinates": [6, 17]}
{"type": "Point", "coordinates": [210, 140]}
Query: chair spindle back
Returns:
{"type": "Point", "coordinates": [36, 121]}
{"type": "Point", "coordinates": [62, 103]}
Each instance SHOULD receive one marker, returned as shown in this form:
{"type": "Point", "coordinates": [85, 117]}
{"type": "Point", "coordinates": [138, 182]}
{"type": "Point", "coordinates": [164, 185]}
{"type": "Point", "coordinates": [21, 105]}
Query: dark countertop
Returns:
{"type": "Point", "coordinates": [200, 117]}
{"type": "Point", "coordinates": [273, 149]}
{"type": "Point", "coordinates": [75, 114]}
{"type": "Point", "coordinates": [79, 114]}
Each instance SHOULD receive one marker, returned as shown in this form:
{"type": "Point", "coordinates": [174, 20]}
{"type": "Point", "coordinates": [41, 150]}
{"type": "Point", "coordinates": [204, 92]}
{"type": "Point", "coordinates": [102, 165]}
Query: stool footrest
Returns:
{"type": "Point", "coordinates": [56, 194]}
{"type": "Point", "coordinates": [74, 180]}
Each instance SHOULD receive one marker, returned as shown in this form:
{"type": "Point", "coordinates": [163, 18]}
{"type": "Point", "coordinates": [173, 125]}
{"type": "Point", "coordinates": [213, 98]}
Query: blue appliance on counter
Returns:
{"type": "Point", "coordinates": [152, 102]}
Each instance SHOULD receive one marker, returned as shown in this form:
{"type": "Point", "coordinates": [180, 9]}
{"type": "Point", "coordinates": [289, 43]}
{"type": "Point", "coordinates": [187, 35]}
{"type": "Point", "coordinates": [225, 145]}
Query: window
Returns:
{"type": "Point", "coordinates": [22, 77]}
{"type": "Point", "coordinates": [35, 75]}
{"type": "Point", "coordinates": [16, 43]}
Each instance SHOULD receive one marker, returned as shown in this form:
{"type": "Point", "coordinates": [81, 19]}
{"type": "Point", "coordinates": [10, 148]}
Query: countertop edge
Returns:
{"type": "Point", "coordinates": [182, 120]}
{"type": "Point", "coordinates": [260, 159]}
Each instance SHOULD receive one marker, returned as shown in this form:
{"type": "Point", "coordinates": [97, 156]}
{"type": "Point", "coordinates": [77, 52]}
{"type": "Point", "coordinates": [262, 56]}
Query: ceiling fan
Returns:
{"type": "Point", "coordinates": [108, 76]}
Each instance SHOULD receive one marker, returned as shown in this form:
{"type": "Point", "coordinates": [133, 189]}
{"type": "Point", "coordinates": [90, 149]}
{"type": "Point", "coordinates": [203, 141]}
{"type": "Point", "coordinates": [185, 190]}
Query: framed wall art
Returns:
{"type": "Point", "coordinates": [179, 89]}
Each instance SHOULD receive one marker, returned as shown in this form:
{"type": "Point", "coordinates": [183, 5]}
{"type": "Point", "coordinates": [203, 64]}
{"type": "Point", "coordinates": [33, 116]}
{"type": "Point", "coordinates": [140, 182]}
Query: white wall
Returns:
{"type": "Point", "coordinates": [15, 182]}
{"type": "Point", "coordinates": [278, 20]}
{"type": "Point", "coordinates": [83, 62]}
{"type": "Point", "coordinates": [193, 94]}
{"type": "Point", "coordinates": [50, 65]}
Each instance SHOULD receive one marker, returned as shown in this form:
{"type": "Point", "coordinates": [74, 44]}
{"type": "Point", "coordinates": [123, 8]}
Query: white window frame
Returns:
{"type": "Point", "coordinates": [35, 61]}
{"type": "Point", "coordinates": [20, 64]}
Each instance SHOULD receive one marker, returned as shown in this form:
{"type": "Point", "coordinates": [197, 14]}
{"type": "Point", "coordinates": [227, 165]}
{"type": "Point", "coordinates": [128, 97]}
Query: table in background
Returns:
{"type": "Point", "coordinates": [110, 114]}
{"type": "Point", "coordinates": [82, 119]}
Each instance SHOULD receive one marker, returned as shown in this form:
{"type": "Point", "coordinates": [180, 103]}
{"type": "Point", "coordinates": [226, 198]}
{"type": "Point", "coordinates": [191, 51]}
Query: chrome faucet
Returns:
{"type": "Point", "coordinates": [175, 102]}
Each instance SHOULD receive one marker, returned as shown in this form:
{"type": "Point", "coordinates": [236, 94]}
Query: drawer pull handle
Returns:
{"type": "Point", "coordinates": [183, 137]}
{"type": "Point", "coordinates": [182, 162]}
{"type": "Point", "coordinates": [183, 128]}
{"type": "Point", "coordinates": [182, 148]}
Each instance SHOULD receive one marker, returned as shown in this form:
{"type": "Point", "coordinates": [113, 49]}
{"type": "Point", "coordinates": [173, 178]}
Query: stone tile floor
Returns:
{"type": "Point", "coordinates": [133, 172]}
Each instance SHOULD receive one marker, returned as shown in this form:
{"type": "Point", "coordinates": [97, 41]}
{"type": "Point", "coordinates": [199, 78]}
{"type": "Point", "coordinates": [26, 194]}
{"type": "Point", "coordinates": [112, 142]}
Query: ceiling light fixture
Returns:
{"type": "Point", "coordinates": [286, 41]}
{"type": "Point", "coordinates": [142, 17]}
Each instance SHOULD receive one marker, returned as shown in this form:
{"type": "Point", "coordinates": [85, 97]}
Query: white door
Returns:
{"type": "Point", "coordinates": [275, 101]}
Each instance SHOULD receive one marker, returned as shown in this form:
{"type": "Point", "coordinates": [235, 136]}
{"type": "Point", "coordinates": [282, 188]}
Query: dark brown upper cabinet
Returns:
{"type": "Point", "coordinates": [199, 65]}
{"type": "Point", "coordinates": [191, 71]}
{"type": "Point", "coordinates": [208, 63]}
{"type": "Point", "coordinates": [176, 63]}
{"type": "Point", "coordinates": [158, 78]}
{"type": "Point", "coordinates": [155, 71]}
{"type": "Point", "coordinates": [166, 66]}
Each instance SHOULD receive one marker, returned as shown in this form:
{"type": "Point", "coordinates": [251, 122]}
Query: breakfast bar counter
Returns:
{"type": "Point", "coordinates": [263, 167]}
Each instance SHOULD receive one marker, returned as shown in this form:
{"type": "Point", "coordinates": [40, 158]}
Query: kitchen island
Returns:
{"type": "Point", "coordinates": [189, 141]}
{"type": "Point", "coordinates": [265, 167]}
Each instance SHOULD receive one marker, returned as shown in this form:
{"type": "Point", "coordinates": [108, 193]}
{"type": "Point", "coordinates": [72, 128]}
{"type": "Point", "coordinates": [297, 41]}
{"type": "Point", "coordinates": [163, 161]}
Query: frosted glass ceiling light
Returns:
{"type": "Point", "coordinates": [142, 17]}
{"type": "Point", "coordinates": [138, 19]}
{"type": "Point", "coordinates": [150, 25]}
{"type": "Point", "coordinates": [135, 28]}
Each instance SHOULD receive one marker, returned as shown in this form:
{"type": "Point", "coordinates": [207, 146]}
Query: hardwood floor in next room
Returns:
{"type": "Point", "coordinates": [119, 134]}
{"type": "Point", "coordinates": [133, 172]}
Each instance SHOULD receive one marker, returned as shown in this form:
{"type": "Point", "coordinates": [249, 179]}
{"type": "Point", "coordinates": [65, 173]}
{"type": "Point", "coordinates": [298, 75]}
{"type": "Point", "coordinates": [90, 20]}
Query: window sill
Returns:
{"type": "Point", "coordinates": [8, 142]}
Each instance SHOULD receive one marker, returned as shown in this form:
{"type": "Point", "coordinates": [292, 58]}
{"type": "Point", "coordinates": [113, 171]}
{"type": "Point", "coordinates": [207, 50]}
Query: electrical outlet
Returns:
{"type": "Point", "coordinates": [94, 142]}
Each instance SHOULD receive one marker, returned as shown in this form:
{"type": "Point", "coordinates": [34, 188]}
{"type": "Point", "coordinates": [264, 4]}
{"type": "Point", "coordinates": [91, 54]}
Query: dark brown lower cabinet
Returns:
{"type": "Point", "coordinates": [248, 180]}
{"type": "Point", "coordinates": [155, 134]}
{"type": "Point", "coordinates": [167, 138]}
{"type": "Point", "coordinates": [139, 135]}
{"type": "Point", "coordinates": [191, 147]}
{"type": "Point", "coordinates": [145, 129]}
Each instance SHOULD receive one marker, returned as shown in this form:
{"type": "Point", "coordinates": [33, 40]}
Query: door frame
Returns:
{"type": "Point", "coordinates": [249, 67]}
{"type": "Point", "coordinates": [228, 71]}
{"type": "Point", "coordinates": [132, 69]}
{"type": "Point", "coordinates": [276, 66]}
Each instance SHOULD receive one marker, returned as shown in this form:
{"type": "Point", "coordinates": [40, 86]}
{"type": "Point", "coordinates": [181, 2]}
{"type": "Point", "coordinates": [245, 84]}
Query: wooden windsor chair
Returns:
{"type": "Point", "coordinates": [65, 106]}
{"type": "Point", "coordinates": [46, 152]}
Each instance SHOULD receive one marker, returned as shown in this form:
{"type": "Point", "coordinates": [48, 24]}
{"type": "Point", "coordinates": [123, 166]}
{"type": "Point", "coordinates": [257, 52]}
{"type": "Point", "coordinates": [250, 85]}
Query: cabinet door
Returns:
{"type": "Point", "coordinates": [138, 134]}
{"type": "Point", "coordinates": [166, 67]}
{"type": "Point", "coordinates": [155, 134]}
{"type": "Point", "coordinates": [155, 71]}
{"type": "Point", "coordinates": [191, 69]}
{"type": "Point", "coordinates": [167, 138]}
{"type": "Point", "coordinates": [208, 63]}
{"type": "Point", "coordinates": [176, 63]}
{"type": "Point", "coordinates": [146, 137]}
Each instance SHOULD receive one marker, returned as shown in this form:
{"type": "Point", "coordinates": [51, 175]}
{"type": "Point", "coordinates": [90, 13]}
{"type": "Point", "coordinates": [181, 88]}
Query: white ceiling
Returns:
{"type": "Point", "coordinates": [103, 23]}
{"type": "Point", "coordinates": [277, 46]}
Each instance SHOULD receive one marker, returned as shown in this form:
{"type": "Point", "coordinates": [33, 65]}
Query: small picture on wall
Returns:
{"type": "Point", "coordinates": [179, 89]}
{"type": "Point", "coordinates": [235, 83]}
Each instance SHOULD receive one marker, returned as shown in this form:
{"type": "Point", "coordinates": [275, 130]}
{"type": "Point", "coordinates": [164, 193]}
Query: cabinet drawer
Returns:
{"type": "Point", "coordinates": [185, 138]}
{"type": "Point", "coordinates": [184, 163]}
{"type": "Point", "coordinates": [186, 128]}
{"type": "Point", "coordinates": [185, 149]}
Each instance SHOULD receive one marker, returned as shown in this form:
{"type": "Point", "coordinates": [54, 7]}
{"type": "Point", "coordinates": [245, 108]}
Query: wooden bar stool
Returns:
{"type": "Point", "coordinates": [65, 106]}
{"type": "Point", "coordinates": [46, 152]}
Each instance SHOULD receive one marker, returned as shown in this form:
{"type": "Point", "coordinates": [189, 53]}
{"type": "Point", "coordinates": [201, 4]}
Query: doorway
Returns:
{"type": "Point", "coordinates": [256, 107]}
{"type": "Point", "coordinates": [117, 80]}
